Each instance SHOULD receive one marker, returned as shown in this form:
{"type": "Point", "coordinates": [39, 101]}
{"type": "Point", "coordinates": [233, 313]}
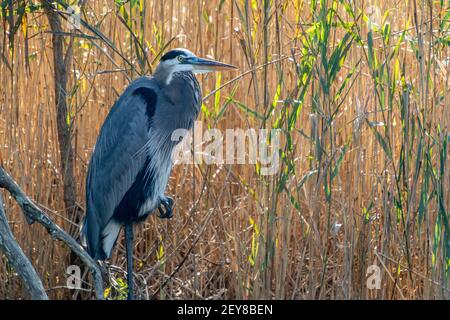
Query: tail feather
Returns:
{"type": "Point", "coordinates": [109, 238]}
{"type": "Point", "coordinates": [90, 235]}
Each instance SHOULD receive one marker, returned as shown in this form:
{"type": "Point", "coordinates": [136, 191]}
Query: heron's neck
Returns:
{"type": "Point", "coordinates": [182, 87]}
{"type": "Point", "coordinates": [165, 76]}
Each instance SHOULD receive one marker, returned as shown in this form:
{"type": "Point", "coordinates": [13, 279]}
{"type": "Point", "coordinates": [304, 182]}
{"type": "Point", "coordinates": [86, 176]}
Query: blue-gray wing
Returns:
{"type": "Point", "coordinates": [116, 161]}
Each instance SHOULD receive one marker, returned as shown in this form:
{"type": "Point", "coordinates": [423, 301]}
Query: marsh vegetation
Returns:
{"type": "Point", "coordinates": [358, 89]}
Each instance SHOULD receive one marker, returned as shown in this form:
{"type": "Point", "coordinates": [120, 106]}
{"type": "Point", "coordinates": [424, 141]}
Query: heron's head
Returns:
{"type": "Point", "coordinates": [179, 60]}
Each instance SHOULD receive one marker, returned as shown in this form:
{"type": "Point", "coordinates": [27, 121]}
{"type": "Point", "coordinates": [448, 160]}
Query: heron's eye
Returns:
{"type": "Point", "coordinates": [180, 58]}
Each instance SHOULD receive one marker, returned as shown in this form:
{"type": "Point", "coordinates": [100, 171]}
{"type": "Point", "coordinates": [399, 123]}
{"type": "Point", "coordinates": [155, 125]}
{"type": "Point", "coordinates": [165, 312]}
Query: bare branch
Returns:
{"type": "Point", "coordinates": [19, 260]}
{"type": "Point", "coordinates": [35, 214]}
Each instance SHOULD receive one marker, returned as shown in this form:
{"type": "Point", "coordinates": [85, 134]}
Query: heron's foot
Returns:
{"type": "Point", "coordinates": [166, 204]}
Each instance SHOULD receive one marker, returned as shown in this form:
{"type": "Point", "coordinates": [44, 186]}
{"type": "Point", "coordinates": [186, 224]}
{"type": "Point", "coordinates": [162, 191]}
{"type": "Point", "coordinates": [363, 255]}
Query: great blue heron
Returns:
{"type": "Point", "coordinates": [132, 159]}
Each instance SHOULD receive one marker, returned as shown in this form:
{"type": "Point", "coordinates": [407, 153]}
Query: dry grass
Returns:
{"type": "Point", "coordinates": [373, 159]}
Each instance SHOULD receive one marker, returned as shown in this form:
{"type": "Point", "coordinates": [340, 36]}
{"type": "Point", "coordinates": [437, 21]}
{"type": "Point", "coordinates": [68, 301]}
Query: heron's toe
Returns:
{"type": "Point", "coordinates": [169, 201]}
{"type": "Point", "coordinates": [165, 214]}
{"type": "Point", "coordinates": [166, 203]}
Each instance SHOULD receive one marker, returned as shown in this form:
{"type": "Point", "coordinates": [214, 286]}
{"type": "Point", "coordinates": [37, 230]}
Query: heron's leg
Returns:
{"type": "Point", "coordinates": [167, 203]}
{"type": "Point", "coordinates": [129, 248]}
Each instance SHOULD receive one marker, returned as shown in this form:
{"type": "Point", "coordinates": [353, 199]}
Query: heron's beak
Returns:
{"type": "Point", "coordinates": [206, 65]}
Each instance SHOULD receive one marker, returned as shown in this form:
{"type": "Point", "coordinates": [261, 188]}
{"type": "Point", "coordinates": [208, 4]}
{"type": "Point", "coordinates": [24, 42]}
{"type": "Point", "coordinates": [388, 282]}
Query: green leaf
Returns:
{"type": "Point", "coordinates": [381, 140]}
{"type": "Point", "coordinates": [339, 161]}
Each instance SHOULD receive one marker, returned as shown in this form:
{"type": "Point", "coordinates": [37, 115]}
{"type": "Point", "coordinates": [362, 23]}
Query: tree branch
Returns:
{"type": "Point", "coordinates": [35, 214]}
{"type": "Point", "coordinates": [19, 260]}
{"type": "Point", "coordinates": [61, 63]}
